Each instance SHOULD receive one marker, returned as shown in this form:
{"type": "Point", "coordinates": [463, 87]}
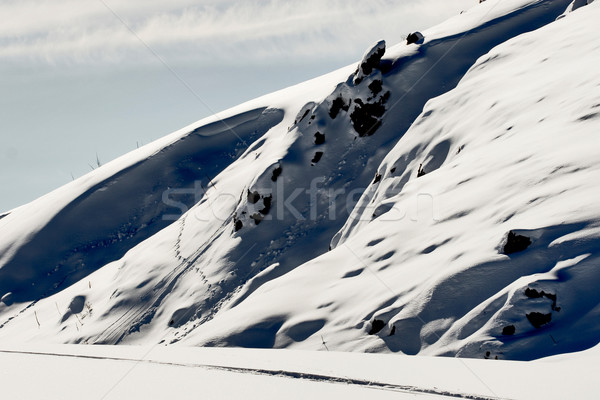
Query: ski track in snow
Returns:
{"type": "Point", "coordinates": [273, 373]}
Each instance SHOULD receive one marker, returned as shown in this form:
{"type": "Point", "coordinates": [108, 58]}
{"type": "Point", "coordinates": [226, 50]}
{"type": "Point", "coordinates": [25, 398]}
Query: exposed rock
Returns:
{"type": "Point", "coordinates": [509, 330]}
{"type": "Point", "coordinates": [516, 243]}
{"type": "Point", "coordinates": [257, 218]}
{"type": "Point", "coordinates": [317, 157]}
{"type": "Point", "coordinates": [538, 319]}
{"type": "Point", "coordinates": [415, 37]}
{"type": "Point", "coordinates": [376, 326]}
{"type": "Point", "coordinates": [376, 87]}
{"type": "Point", "coordinates": [276, 172]}
{"type": "Point", "coordinates": [377, 178]}
{"type": "Point", "coordinates": [337, 105]}
{"type": "Point", "coordinates": [370, 61]}
{"type": "Point", "coordinates": [366, 117]}
{"type": "Point", "coordinates": [319, 138]}
{"type": "Point", "coordinates": [303, 116]}
{"type": "Point", "coordinates": [238, 225]}
{"type": "Point", "coordinates": [253, 197]}
{"type": "Point", "coordinates": [267, 202]}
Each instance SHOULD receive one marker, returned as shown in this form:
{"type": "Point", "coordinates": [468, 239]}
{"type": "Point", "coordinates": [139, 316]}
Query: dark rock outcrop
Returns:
{"type": "Point", "coordinates": [509, 330]}
{"type": "Point", "coordinates": [267, 205]}
{"type": "Point", "coordinates": [376, 326]}
{"type": "Point", "coordinates": [516, 243]}
{"type": "Point", "coordinates": [317, 157]}
{"type": "Point", "coordinates": [415, 37]}
{"type": "Point", "coordinates": [370, 61]}
{"type": "Point", "coordinates": [276, 172]}
{"type": "Point", "coordinates": [538, 319]}
{"type": "Point", "coordinates": [337, 105]}
{"type": "Point", "coordinates": [366, 117]}
{"type": "Point", "coordinates": [253, 197]}
{"type": "Point", "coordinates": [319, 138]}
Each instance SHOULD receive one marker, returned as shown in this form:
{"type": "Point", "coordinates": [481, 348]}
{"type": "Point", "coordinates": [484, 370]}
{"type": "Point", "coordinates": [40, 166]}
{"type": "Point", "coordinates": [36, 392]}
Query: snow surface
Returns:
{"type": "Point", "coordinates": [219, 234]}
{"type": "Point", "coordinates": [507, 150]}
{"type": "Point", "coordinates": [116, 372]}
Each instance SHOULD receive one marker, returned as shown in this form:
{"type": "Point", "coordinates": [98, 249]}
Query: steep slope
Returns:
{"type": "Point", "coordinates": [299, 156]}
{"type": "Point", "coordinates": [492, 250]}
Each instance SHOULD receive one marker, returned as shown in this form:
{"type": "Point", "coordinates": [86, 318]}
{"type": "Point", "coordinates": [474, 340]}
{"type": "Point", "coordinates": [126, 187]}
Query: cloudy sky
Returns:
{"type": "Point", "coordinates": [86, 77]}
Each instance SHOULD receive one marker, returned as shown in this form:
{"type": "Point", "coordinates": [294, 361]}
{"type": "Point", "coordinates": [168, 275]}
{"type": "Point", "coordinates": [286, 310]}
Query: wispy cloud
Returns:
{"type": "Point", "coordinates": [207, 31]}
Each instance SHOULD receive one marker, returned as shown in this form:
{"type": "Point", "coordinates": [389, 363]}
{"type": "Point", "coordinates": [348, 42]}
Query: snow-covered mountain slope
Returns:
{"type": "Point", "coordinates": [425, 263]}
{"type": "Point", "coordinates": [219, 233]}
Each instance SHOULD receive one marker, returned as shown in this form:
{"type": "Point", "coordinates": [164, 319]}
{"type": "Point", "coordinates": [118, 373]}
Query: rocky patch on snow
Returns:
{"type": "Point", "coordinates": [370, 62]}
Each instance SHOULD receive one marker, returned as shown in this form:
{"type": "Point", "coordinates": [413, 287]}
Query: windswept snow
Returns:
{"type": "Point", "coordinates": [246, 228]}
{"type": "Point", "coordinates": [508, 150]}
{"type": "Point", "coordinates": [436, 198]}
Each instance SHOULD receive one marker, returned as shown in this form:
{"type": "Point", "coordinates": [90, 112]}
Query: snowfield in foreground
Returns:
{"type": "Point", "coordinates": [115, 372]}
{"type": "Point", "coordinates": [438, 198]}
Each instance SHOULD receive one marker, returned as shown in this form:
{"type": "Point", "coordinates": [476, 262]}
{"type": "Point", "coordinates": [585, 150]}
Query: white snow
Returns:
{"type": "Point", "coordinates": [115, 372]}
{"type": "Point", "coordinates": [423, 254]}
{"type": "Point", "coordinates": [219, 234]}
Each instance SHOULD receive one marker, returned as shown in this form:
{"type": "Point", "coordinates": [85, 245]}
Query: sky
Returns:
{"type": "Point", "coordinates": [83, 81]}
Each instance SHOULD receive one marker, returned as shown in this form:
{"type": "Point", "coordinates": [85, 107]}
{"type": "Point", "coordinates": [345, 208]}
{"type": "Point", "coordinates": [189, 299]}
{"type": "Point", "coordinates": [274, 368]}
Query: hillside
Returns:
{"type": "Point", "coordinates": [437, 198]}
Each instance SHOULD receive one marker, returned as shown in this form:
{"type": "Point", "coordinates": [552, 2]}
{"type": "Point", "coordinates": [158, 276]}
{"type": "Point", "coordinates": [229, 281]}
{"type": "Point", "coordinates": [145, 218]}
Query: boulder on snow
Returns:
{"type": "Point", "coordinates": [509, 330]}
{"type": "Point", "coordinates": [238, 225]}
{"type": "Point", "coordinates": [317, 157]}
{"type": "Point", "coordinates": [253, 197]}
{"type": "Point", "coordinates": [376, 326]}
{"type": "Point", "coordinates": [336, 105]}
{"type": "Point", "coordinates": [516, 243]}
{"type": "Point", "coordinates": [370, 61]}
{"type": "Point", "coordinates": [267, 205]}
{"type": "Point", "coordinates": [376, 87]}
{"type": "Point", "coordinates": [366, 117]}
{"type": "Point", "coordinates": [538, 319]}
{"type": "Point", "coordinates": [415, 37]}
{"type": "Point", "coordinates": [276, 172]}
{"type": "Point", "coordinates": [257, 217]}
{"type": "Point", "coordinates": [319, 138]}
